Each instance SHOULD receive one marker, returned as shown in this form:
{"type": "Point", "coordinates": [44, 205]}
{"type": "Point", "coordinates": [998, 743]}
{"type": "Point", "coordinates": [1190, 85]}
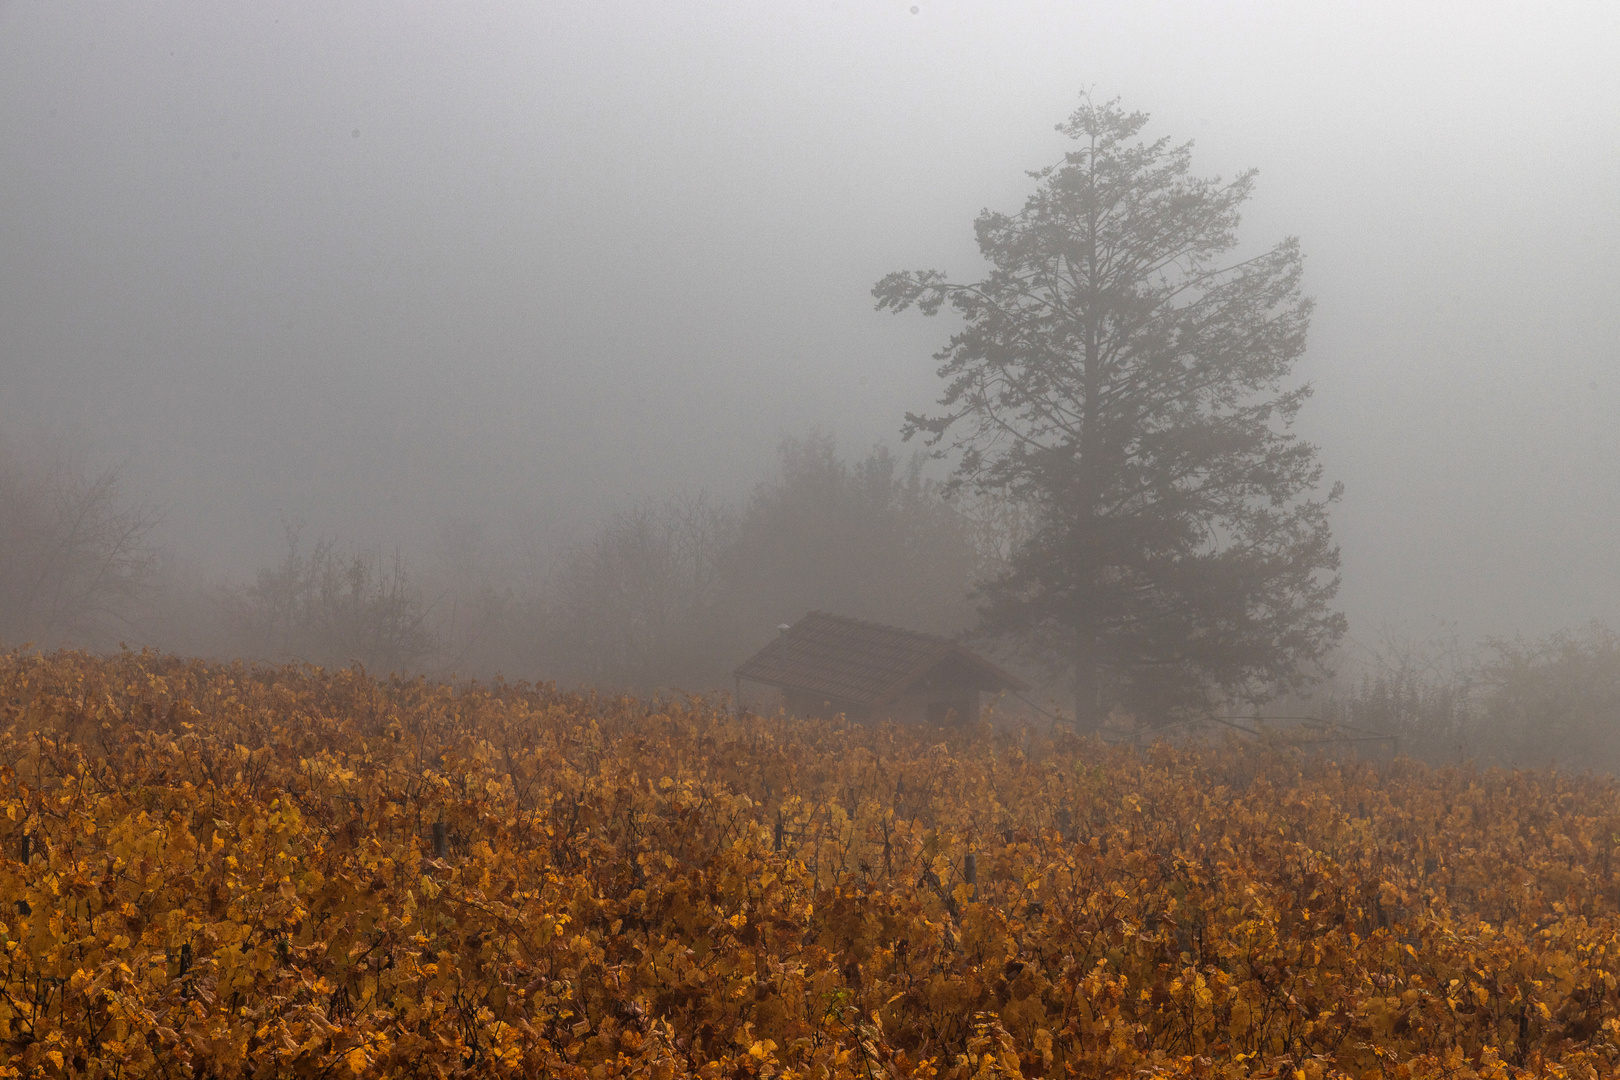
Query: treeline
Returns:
{"type": "Point", "coordinates": [676, 593]}
{"type": "Point", "coordinates": [659, 595]}
{"type": "Point", "coordinates": [671, 595]}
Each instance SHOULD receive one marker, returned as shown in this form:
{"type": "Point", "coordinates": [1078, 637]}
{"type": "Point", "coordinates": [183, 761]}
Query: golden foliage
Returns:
{"type": "Point", "coordinates": [224, 871]}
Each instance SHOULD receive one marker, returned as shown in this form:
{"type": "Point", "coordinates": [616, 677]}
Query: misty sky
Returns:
{"type": "Point", "coordinates": [385, 266]}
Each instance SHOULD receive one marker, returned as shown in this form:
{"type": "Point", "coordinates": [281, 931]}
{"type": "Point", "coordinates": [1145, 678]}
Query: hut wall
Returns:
{"type": "Point", "coordinates": [803, 703]}
{"type": "Point", "coordinates": [935, 705]}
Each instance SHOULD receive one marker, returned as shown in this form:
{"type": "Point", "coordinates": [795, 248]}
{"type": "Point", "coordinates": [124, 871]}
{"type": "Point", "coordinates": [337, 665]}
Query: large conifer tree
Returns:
{"type": "Point", "coordinates": [1123, 372]}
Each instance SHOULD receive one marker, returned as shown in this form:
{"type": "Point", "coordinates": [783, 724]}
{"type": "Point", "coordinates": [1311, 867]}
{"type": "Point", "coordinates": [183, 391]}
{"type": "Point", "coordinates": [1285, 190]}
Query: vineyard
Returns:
{"type": "Point", "coordinates": [222, 871]}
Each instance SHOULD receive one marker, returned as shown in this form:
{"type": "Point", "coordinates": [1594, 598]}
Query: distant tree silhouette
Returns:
{"type": "Point", "coordinates": [871, 539]}
{"type": "Point", "coordinates": [674, 594]}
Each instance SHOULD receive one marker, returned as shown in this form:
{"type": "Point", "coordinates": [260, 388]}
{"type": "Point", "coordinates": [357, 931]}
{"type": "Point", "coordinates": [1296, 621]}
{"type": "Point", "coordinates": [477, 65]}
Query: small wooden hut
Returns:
{"type": "Point", "coordinates": [826, 664]}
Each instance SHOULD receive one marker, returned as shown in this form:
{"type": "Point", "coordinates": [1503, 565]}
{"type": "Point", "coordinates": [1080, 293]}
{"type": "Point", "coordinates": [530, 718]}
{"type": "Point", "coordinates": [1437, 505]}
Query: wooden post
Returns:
{"type": "Point", "coordinates": [440, 847]}
{"type": "Point", "coordinates": [970, 871]}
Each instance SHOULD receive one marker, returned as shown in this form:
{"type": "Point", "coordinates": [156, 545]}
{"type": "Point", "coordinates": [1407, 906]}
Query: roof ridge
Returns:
{"type": "Point", "coordinates": [854, 659]}
{"type": "Point", "coordinates": [880, 626]}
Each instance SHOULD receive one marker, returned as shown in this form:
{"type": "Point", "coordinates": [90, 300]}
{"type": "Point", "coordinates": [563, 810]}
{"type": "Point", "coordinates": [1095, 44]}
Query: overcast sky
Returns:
{"type": "Point", "coordinates": [387, 265]}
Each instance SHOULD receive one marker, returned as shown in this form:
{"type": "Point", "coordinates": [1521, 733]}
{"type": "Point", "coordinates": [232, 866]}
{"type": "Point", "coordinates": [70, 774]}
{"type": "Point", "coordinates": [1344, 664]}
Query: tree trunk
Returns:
{"type": "Point", "coordinates": [1087, 686]}
{"type": "Point", "coordinates": [1088, 714]}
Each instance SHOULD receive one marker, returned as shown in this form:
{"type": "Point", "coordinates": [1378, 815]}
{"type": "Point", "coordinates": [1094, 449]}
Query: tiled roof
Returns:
{"type": "Point", "coordinates": [858, 661]}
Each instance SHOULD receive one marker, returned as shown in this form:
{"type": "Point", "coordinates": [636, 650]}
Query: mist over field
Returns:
{"type": "Point", "coordinates": [460, 293]}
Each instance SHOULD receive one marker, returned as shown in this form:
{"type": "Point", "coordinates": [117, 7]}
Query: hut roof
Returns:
{"type": "Point", "coordinates": [861, 662]}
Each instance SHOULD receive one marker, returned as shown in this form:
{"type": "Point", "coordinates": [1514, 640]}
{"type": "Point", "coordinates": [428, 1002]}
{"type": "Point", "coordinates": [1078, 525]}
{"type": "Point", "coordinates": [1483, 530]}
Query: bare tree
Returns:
{"type": "Point", "coordinates": [333, 607]}
{"type": "Point", "coordinates": [1552, 700]}
{"type": "Point", "coordinates": [76, 556]}
{"type": "Point", "coordinates": [634, 604]}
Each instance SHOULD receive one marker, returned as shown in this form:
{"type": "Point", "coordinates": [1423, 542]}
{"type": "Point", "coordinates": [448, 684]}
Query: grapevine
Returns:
{"type": "Point", "coordinates": [233, 871]}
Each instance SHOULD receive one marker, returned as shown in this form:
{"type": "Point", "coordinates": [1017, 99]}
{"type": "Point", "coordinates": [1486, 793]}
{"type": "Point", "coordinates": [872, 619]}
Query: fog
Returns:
{"type": "Point", "coordinates": [390, 269]}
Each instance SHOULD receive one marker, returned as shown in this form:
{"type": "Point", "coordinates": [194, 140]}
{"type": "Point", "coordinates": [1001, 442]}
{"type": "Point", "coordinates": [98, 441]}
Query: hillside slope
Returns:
{"type": "Point", "coordinates": [228, 871]}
